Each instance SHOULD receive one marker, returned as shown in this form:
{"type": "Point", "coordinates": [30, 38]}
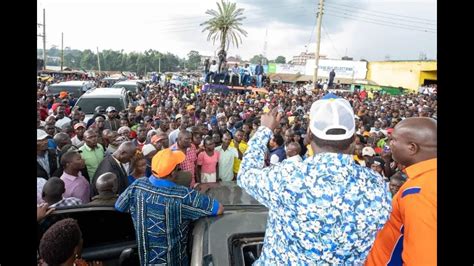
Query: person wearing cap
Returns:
{"type": "Point", "coordinates": [324, 210]}
{"type": "Point", "coordinates": [148, 152]}
{"type": "Point", "coordinates": [78, 139]}
{"type": "Point", "coordinates": [410, 235]}
{"type": "Point", "coordinates": [111, 121]}
{"type": "Point", "coordinates": [160, 141]}
{"type": "Point", "coordinates": [174, 208]}
{"type": "Point", "coordinates": [75, 184]}
{"type": "Point", "coordinates": [139, 114]}
{"type": "Point", "coordinates": [46, 159]}
{"type": "Point", "coordinates": [99, 110]}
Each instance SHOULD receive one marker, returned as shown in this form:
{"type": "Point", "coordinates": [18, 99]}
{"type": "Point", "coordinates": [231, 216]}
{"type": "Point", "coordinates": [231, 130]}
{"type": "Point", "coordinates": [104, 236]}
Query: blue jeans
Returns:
{"type": "Point", "coordinates": [259, 81]}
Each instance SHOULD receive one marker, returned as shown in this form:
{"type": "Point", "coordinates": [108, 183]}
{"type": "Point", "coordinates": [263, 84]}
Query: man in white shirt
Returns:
{"type": "Point", "coordinates": [213, 69]}
{"type": "Point", "coordinates": [246, 76]}
{"type": "Point", "coordinates": [226, 158]}
{"type": "Point", "coordinates": [293, 152]}
{"type": "Point", "coordinates": [61, 119]}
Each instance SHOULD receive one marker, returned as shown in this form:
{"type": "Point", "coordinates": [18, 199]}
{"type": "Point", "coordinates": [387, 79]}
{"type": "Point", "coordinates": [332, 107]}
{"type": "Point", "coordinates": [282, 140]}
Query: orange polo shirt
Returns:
{"type": "Point", "coordinates": [409, 236]}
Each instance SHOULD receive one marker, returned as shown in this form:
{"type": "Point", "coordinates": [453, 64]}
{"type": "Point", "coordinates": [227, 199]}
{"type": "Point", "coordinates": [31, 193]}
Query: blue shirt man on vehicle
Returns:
{"type": "Point", "coordinates": [162, 211]}
{"type": "Point", "coordinates": [324, 210]}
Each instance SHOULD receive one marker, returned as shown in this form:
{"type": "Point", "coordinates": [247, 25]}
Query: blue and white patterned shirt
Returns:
{"type": "Point", "coordinates": [324, 210]}
{"type": "Point", "coordinates": [161, 213]}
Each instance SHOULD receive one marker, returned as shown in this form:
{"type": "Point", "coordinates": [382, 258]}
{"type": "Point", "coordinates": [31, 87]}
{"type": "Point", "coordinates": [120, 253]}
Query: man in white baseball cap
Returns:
{"type": "Point", "coordinates": [46, 160]}
{"type": "Point", "coordinates": [324, 210]}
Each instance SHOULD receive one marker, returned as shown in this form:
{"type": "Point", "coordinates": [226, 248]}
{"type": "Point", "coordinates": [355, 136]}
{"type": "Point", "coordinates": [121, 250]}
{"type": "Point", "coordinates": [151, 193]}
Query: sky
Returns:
{"type": "Point", "coordinates": [363, 29]}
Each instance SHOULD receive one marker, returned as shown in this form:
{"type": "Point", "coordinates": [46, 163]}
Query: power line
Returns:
{"type": "Point", "coordinates": [330, 40]}
{"type": "Point", "coordinates": [311, 35]}
{"type": "Point", "coordinates": [375, 15]}
{"type": "Point", "coordinates": [381, 12]}
{"type": "Point", "coordinates": [382, 21]}
{"type": "Point", "coordinates": [383, 24]}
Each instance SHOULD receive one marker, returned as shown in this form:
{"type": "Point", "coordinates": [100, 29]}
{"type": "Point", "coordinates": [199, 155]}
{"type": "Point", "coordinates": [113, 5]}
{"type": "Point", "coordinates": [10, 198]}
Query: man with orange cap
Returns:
{"type": "Point", "coordinates": [163, 210]}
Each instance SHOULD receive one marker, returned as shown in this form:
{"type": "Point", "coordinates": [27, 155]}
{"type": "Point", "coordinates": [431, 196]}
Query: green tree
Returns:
{"type": "Point", "coordinates": [225, 26]}
{"type": "Point", "coordinates": [257, 59]}
{"type": "Point", "coordinates": [280, 60]}
{"type": "Point", "coordinates": [194, 60]}
{"type": "Point", "coordinates": [88, 60]}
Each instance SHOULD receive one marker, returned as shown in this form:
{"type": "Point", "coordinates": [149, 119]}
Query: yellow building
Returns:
{"type": "Point", "coordinates": [407, 74]}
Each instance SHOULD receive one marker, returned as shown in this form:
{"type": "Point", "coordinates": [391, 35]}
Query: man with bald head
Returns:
{"type": "Point", "coordinates": [114, 163]}
{"type": "Point", "coordinates": [61, 139]}
{"type": "Point", "coordinates": [107, 187]}
{"type": "Point", "coordinates": [293, 150]}
{"type": "Point", "coordinates": [409, 236]}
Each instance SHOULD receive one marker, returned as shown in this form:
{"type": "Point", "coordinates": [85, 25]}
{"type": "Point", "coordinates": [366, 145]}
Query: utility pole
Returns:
{"type": "Point", "coordinates": [98, 59]}
{"type": "Point", "coordinates": [62, 50]}
{"type": "Point", "coordinates": [44, 38]}
{"type": "Point", "coordinates": [159, 64]}
{"type": "Point", "coordinates": [265, 48]}
{"type": "Point", "coordinates": [318, 34]}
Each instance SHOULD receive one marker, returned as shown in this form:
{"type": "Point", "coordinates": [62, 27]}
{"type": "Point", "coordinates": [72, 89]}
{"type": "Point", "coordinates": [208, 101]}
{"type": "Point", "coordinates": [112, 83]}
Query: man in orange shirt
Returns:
{"type": "Point", "coordinates": [409, 236]}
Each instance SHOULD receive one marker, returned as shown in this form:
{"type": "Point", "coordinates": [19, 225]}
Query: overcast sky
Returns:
{"type": "Point", "coordinates": [364, 29]}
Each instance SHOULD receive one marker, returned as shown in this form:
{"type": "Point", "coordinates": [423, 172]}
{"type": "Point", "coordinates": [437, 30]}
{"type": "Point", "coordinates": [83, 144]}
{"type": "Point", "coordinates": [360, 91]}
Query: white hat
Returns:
{"type": "Point", "coordinates": [368, 151]}
{"type": "Point", "coordinates": [41, 134]}
{"type": "Point", "coordinates": [147, 149]}
{"type": "Point", "coordinates": [331, 112]}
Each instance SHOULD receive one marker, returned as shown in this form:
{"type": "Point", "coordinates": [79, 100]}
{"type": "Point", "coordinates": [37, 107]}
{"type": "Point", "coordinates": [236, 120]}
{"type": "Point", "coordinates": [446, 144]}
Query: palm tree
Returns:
{"type": "Point", "coordinates": [225, 26]}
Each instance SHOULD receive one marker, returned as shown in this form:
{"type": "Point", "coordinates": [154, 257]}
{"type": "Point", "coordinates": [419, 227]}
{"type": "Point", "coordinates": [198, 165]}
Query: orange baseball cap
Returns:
{"type": "Point", "coordinates": [164, 162]}
{"type": "Point", "coordinates": [156, 138]}
{"type": "Point", "coordinates": [63, 94]}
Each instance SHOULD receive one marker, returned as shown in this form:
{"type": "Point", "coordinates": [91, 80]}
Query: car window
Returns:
{"type": "Point", "coordinates": [128, 87]}
{"type": "Point", "coordinates": [76, 91]}
{"type": "Point", "coordinates": [89, 104]}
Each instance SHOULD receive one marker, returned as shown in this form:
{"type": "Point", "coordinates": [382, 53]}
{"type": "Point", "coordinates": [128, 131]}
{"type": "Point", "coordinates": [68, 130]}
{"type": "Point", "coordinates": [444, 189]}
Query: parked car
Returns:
{"type": "Point", "coordinates": [74, 88]}
{"type": "Point", "coordinates": [234, 238]}
{"type": "Point", "coordinates": [112, 80]}
{"type": "Point", "coordinates": [130, 85]}
{"type": "Point", "coordinates": [105, 97]}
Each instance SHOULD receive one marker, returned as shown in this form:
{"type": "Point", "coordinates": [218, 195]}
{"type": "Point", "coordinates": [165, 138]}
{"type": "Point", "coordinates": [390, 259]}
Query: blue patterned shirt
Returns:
{"type": "Point", "coordinates": [161, 213]}
{"type": "Point", "coordinates": [324, 210]}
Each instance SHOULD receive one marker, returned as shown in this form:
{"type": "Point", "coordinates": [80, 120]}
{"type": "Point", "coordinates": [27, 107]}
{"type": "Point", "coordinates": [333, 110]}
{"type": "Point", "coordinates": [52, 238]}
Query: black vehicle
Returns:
{"type": "Point", "coordinates": [74, 88]}
{"type": "Point", "coordinates": [234, 238]}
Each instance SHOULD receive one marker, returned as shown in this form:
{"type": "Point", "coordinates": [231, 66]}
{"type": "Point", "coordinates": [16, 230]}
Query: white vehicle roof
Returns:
{"type": "Point", "coordinates": [129, 82]}
{"type": "Point", "coordinates": [104, 92]}
{"type": "Point", "coordinates": [71, 83]}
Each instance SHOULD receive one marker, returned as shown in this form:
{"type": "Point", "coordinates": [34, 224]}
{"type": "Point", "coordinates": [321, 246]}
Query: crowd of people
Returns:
{"type": "Point", "coordinates": [171, 139]}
